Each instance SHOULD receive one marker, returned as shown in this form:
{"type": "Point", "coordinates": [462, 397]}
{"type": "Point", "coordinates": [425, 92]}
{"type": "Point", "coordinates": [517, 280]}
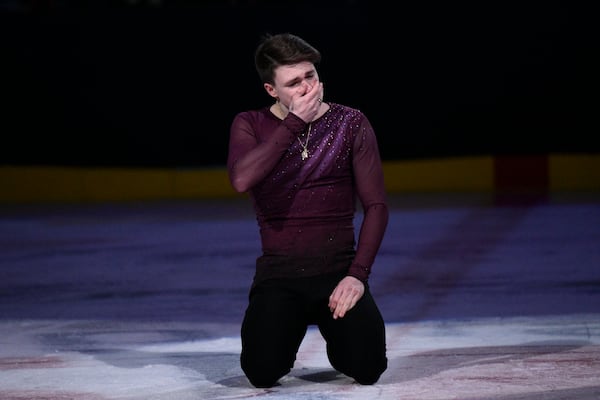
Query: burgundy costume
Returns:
{"type": "Point", "coordinates": [305, 210]}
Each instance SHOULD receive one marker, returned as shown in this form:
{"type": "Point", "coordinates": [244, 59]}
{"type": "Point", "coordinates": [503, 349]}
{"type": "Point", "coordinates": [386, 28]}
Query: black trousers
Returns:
{"type": "Point", "coordinates": [277, 318]}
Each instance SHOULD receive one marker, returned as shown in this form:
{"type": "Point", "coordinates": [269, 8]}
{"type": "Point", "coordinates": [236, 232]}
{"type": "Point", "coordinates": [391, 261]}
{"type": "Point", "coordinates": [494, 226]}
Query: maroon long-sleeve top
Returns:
{"type": "Point", "coordinates": [305, 209]}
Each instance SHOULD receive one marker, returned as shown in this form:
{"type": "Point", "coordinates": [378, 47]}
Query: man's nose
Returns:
{"type": "Point", "coordinates": [306, 86]}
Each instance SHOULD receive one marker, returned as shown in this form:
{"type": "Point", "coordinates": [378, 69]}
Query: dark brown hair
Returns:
{"type": "Point", "coordinates": [282, 49]}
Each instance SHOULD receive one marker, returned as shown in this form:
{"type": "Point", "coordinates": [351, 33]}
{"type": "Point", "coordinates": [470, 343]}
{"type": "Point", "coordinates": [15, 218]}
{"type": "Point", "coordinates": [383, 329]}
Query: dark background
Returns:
{"type": "Point", "coordinates": [142, 83]}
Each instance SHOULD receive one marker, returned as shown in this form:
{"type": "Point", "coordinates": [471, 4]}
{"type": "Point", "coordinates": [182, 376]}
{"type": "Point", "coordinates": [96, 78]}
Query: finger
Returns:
{"type": "Point", "coordinates": [321, 94]}
{"type": "Point", "coordinates": [332, 306]}
{"type": "Point", "coordinates": [343, 306]}
{"type": "Point", "coordinates": [333, 301]}
{"type": "Point", "coordinates": [341, 310]}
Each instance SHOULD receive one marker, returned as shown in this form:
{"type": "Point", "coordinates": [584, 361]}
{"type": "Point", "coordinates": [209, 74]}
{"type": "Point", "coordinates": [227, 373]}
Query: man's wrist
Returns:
{"type": "Point", "coordinates": [359, 272]}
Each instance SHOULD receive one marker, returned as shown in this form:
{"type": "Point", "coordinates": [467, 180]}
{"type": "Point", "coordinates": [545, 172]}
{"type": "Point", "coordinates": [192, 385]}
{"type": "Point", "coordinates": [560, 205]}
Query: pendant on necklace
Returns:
{"type": "Point", "coordinates": [304, 153]}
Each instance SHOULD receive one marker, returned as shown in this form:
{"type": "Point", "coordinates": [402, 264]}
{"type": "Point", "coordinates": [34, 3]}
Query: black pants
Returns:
{"type": "Point", "coordinates": [277, 319]}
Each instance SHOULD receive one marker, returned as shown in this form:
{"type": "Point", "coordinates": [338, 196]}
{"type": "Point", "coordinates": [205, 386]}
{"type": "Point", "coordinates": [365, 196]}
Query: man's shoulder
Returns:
{"type": "Point", "coordinates": [347, 111]}
{"type": "Point", "coordinates": [253, 115]}
{"type": "Point", "coordinates": [254, 112]}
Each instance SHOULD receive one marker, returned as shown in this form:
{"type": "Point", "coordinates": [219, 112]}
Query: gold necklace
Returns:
{"type": "Point", "coordinates": [304, 154]}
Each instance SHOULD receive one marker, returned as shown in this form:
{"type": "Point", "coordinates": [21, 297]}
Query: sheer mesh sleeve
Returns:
{"type": "Point", "coordinates": [255, 146]}
{"type": "Point", "coordinates": [370, 187]}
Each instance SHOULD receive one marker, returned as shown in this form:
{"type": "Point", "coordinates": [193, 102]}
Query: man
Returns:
{"type": "Point", "coordinates": [304, 163]}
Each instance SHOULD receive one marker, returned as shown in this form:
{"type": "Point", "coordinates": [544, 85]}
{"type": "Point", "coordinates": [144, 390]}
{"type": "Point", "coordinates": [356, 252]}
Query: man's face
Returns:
{"type": "Point", "coordinates": [292, 81]}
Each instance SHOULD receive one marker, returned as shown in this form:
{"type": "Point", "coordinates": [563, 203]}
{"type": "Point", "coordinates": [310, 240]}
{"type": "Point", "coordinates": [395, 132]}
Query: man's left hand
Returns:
{"type": "Point", "coordinates": [345, 296]}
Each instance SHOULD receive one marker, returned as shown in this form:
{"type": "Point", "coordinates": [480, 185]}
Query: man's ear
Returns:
{"type": "Point", "coordinates": [271, 90]}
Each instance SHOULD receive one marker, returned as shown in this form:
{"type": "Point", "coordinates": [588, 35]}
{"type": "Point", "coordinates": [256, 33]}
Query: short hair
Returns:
{"type": "Point", "coordinates": [282, 49]}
